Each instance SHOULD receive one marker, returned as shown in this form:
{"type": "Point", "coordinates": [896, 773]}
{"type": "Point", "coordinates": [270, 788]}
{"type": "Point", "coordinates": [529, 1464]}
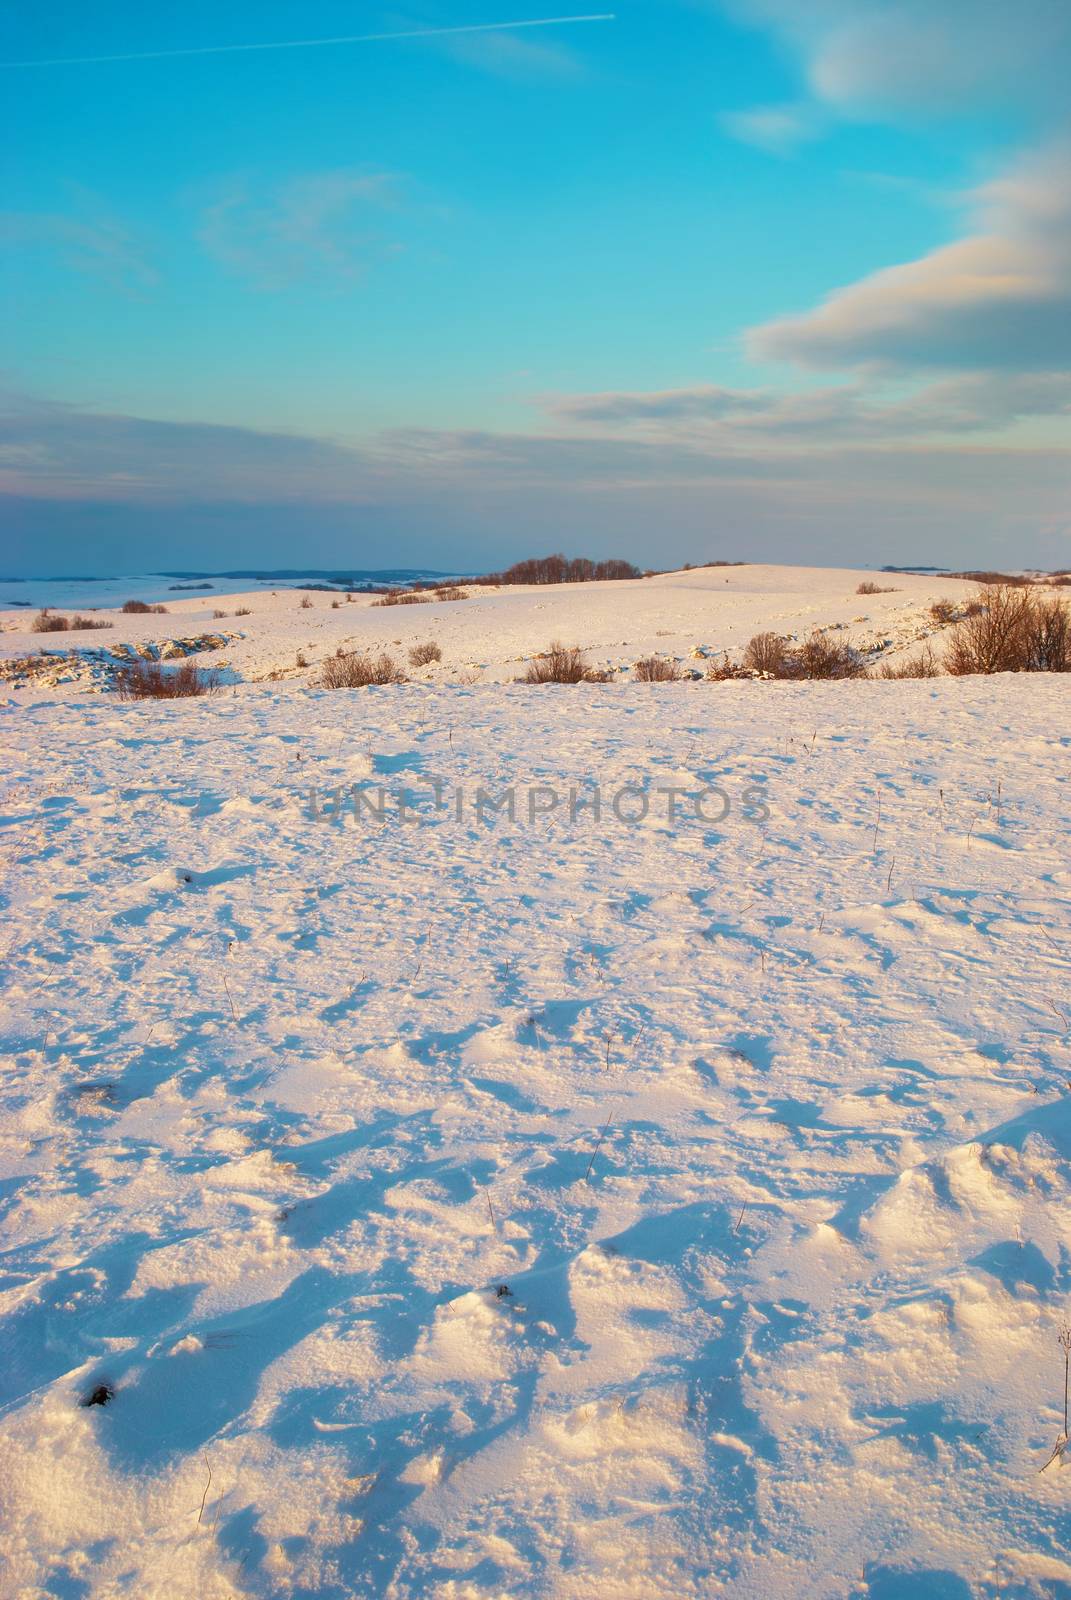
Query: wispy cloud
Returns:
{"type": "Point", "coordinates": [94, 244]}
{"type": "Point", "coordinates": [67, 452]}
{"type": "Point", "coordinates": [65, 470]}
{"type": "Point", "coordinates": [779, 130]}
{"type": "Point", "coordinates": [830, 416]}
{"type": "Point", "coordinates": [320, 224]}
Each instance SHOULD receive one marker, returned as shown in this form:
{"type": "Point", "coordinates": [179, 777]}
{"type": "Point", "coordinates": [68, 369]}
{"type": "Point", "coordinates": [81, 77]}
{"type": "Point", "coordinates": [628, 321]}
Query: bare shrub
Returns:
{"type": "Point", "coordinates": [656, 669]}
{"type": "Point", "coordinates": [874, 588]}
{"type": "Point", "coordinates": [140, 608]}
{"type": "Point", "coordinates": [942, 612]}
{"type": "Point", "coordinates": [422, 655]}
{"type": "Point", "coordinates": [406, 597]}
{"type": "Point", "coordinates": [766, 653]}
{"type": "Point", "coordinates": [219, 615]}
{"type": "Point", "coordinates": [991, 580]}
{"type": "Point", "coordinates": [359, 671]}
{"type": "Point", "coordinates": [991, 638]}
{"type": "Point", "coordinates": [451, 592]}
{"type": "Point", "coordinates": [45, 622]}
{"type": "Point", "coordinates": [723, 670]}
{"type": "Point", "coordinates": [821, 657]}
{"type": "Point", "coordinates": [599, 675]}
{"type": "Point", "coordinates": [148, 680]}
{"type": "Point", "coordinates": [1047, 636]}
{"type": "Point", "coordinates": [924, 665]}
{"type": "Point", "coordinates": [305, 604]}
{"type": "Point", "coordinates": [243, 611]}
{"type": "Point", "coordinates": [560, 664]}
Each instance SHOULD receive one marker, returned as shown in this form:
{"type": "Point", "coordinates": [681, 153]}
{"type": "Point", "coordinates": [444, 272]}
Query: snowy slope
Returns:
{"type": "Point", "coordinates": [470, 1208]}
{"type": "Point", "coordinates": [490, 635]}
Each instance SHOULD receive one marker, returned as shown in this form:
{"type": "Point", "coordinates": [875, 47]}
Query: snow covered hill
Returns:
{"type": "Point", "coordinates": [489, 636]}
{"type": "Point", "coordinates": [635, 1196]}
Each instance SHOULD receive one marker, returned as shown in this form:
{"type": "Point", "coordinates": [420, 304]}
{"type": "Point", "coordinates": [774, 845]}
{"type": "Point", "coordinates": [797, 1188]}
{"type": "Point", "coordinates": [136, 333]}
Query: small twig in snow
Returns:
{"type": "Point", "coordinates": [234, 1014]}
{"type": "Point", "coordinates": [598, 1147]}
{"type": "Point", "coordinates": [208, 1486]}
{"type": "Point", "coordinates": [1061, 1444]}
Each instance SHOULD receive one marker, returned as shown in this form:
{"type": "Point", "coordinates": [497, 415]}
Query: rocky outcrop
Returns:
{"type": "Point", "coordinates": [95, 669]}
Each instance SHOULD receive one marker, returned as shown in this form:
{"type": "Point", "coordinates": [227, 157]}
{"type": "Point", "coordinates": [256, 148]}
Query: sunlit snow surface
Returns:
{"type": "Point", "coordinates": [764, 1125]}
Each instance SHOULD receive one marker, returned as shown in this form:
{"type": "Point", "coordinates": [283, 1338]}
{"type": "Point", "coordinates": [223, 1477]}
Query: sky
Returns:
{"type": "Point", "coordinates": [779, 280]}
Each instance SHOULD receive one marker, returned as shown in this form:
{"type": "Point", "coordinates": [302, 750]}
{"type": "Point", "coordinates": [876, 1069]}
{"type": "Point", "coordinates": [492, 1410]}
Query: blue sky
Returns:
{"type": "Point", "coordinates": [759, 278]}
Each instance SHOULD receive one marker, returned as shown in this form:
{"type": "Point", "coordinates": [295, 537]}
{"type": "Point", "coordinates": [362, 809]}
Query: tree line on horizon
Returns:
{"type": "Point", "coordinates": [561, 569]}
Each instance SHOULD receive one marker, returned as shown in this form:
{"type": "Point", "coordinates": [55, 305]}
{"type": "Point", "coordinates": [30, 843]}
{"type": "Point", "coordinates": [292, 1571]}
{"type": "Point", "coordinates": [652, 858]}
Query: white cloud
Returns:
{"type": "Point", "coordinates": [998, 298]}
{"type": "Point", "coordinates": [931, 57]}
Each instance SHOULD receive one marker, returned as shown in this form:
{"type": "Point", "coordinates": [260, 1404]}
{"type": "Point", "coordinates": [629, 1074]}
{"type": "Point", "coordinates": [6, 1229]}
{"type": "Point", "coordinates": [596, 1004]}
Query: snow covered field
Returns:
{"type": "Point", "coordinates": [569, 1207]}
{"type": "Point", "coordinates": [489, 636]}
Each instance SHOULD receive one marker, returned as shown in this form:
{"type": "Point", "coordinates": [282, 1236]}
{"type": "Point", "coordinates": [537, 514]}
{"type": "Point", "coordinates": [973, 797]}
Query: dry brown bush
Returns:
{"type": "Point", "coordinates": [924, 665]}
{"type": "Point", "coordinates": [560, 664]}
{"type": "Point", "coordinates": [45, 622]}
{"type": "Point", "coordinates": [148, 680]}
{"type": "Point", "coordinates": [991, 637]}
{"type": "Point", "coordinates": [1007, 580]}
{"type": "Point", "coordinates": [140, 608]}
{"type": "Point", "coordinates": [766, 653]}
{"type": "Point", "coordinates": [407, 598]}
{"type": "Point", "coordinates": [874, 588]}
{"type": "Point", "coordinates": [821, 657]}
{"type": "Point", "coordinates": [942, 612]}
{"type": "Point", "coordinates": [1047, 636]}
{"type": "Point", "coordinates": [656, 669]}
{"type": "Point", "coordinates": [723, 671]}
{"type": "Point", "coordinates": [422, 655]}
{"type": "Point", "coordinates": [359, 671]}
{"type": "Point", "coordinates": [1012, 629]}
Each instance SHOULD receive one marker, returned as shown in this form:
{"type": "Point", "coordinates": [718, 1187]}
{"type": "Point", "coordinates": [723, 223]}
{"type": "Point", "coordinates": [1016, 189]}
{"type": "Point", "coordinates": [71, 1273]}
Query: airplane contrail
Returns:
{"type": "Point", "coordinates": [310, 44]}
